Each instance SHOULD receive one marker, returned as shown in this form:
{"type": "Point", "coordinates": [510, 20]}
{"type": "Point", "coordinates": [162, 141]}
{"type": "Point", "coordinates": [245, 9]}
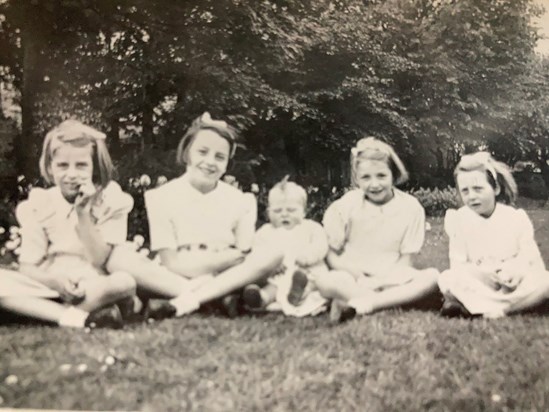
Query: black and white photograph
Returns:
{"type": "Point", "coordinates": [274, 205]}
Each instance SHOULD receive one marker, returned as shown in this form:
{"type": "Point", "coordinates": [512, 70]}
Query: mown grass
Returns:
{"type": "Point", "coordinates": [395, 360]}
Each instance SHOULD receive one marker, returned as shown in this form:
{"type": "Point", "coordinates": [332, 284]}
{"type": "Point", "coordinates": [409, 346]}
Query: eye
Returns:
{"type": "Point", "coordinates": [62, 165]}
{"type": "Point", "coordinates": [277, 210]}
{"type": "Point", "coordinates": [291, 209]}
{"type": "Point", "coordinates": [82, 165]}
{"type": "Point", "coordinates": [220, 157]}
{"type": "Point", "coordinates": [202, 151]}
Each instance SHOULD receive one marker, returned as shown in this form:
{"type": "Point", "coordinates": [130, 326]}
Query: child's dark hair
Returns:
{"type": "Point", "coordinates": [498, 174]}
{"type": "Point", "coordinates": [205, 122]}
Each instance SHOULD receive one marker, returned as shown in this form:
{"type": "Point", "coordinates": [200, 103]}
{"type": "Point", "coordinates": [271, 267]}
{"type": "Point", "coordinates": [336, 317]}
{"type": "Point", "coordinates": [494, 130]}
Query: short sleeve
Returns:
{"type": "Point", "coordinates": [415, 232]}
{"type": "Point", "coordinates": [245, 226]}
{"type": "Point", "coordinates": [34, 240]}
{"type": "Point", "coordinates": [457, 250]}
{"type": "Point", "coordinates": [112, 214]}
{"type": "Point", "coordinates": [335, 226]}
{"type": "Point", "coordinates": [528, 248]}
{"type": "Point", "coordinates": [161, 230]}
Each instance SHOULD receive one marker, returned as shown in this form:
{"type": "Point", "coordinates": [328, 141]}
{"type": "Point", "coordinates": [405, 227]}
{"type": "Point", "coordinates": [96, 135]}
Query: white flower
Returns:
{"type": "Point", "coordinates": [138, 240]}
{"type": "Point", "coordinates": [14, 230]}
{"type": "Point", "coordinates": [109, 360]}
{"type": "Point", "coordinates": [2, 230]}
{"type": "Point", "coordinates": [254, 188]}
{"type": "Point", "coordinates": [11, 245]}
{"type": "Point", "coordinates": [427, 226]}
{"type": "Point", "coordinates": [82, 368]}
{"type": "Point", "coordinates": [161, 180]}
{"type": "Point", "coordinates": [145, 181]}
{"type": "Point", "coordinates": [144, 252]}
{"type": "Point", "coordinates": [11, 380]}
{"type": "Point", "coordinates": [17, 251]}
{"type": "Point", "coordinates": [65, 367]}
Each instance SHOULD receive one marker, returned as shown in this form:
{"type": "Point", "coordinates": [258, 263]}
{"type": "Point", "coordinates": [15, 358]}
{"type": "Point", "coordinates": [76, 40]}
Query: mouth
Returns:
{"type": "Point", "coordinates": [207, 172]}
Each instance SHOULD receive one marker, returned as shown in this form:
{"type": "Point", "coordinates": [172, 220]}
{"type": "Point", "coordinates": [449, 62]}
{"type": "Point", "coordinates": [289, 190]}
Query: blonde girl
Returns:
{"type": "Point", "coordinates": [203, 227]}
{"type": "Point", "coordinates": [495, 265]}
{"type": "Point", "coordinates": [72, 259]}
{"type": "Point", "coordinates": [373, 232]}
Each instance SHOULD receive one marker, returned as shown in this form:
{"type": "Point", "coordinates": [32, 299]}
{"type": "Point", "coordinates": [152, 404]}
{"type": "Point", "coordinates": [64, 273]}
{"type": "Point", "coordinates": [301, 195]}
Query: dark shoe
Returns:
{"type": "Point", "coordinates": [231, 304]}
{"type": "Point", "coordinates": [452, 308]}
{"type": "Point", "coordinates": [340, 312]}
{"type": "Point", "coordinates": [109, 317]}
{"type": "Point", "coordinates": [252, 297]}
{"type": "Point", "coordinates": [299, 283]}
{"type": "Point", "coordinates": [129, 309]}
{"type": "Point", "coordinates": [159, 309]}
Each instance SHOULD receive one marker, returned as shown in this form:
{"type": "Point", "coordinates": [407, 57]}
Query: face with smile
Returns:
{"type": "Point", "coordinates": [70, 167]}
{"type": "Point", "coordinates": [207, 159]}
{"type": "Point", "coordinates": [286, 211]}
{"type": "Point", "coordinates": [476, 192]}
{"type": "Point", "coordinates": [375, 179]}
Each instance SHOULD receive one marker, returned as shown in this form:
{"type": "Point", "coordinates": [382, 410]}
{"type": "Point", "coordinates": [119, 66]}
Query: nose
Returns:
{"type": "Point", "coordinates": [71, 172]}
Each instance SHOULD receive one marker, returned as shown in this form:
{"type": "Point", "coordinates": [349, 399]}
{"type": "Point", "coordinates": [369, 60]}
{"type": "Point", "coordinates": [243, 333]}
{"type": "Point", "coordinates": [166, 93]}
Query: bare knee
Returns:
{"type": "Point", "coordinates": [121, 285]}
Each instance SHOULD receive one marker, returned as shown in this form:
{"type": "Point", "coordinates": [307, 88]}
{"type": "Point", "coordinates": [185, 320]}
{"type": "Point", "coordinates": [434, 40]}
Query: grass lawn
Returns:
{"type": "Point", "coordinates": [395, 360]}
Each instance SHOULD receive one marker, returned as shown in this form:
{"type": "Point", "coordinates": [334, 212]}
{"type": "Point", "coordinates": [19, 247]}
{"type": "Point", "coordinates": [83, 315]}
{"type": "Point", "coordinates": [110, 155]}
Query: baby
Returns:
{"type": "Point", "coordinates": [304, 245]}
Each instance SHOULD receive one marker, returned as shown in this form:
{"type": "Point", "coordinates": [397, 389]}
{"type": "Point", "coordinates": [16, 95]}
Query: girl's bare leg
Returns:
{"type": "Point", "coordinates": [337, 284]}
{"type": "Point", "coordinates": [105, 290]}
{"type": "Point", "coordinates": [37, 308]}
{"type": "Point", "coordinates": [257, 264]}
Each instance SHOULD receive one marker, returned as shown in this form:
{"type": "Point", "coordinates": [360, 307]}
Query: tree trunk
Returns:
{"type": "Point", "coordinates": [27, 148]}
{"type": "Point", "coordinates": [113, 137]}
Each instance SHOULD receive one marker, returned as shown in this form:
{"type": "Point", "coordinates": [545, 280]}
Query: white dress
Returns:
{"type": "Point", "coordinates": [49, 239]}
{"type": "Point", "coordinates": [506, 237]}
{"type": "Point", "coordinates": [375, 237]}
{"type": "Point", "coordinates": [197, 224]}
{"type": "Point", "coordinates": [307, 238]}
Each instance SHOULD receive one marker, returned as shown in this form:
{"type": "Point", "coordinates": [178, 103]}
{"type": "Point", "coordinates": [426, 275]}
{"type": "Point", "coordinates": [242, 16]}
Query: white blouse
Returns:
{"type": "Point", "coordinates": [507, 234]}
{"type": "Point", "coordinates": [181, 215]}
{"type": "Point", "coordinates": [48, 222]}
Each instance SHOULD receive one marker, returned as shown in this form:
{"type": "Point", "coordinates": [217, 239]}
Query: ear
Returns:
{"type": "Point", "coordinates": [497, 190]}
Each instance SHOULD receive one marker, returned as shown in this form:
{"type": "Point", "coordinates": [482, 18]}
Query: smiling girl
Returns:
{"type": "Point", "coordinates": [373, 232]}
{"type": "Point", "coordinates": [203, 227]}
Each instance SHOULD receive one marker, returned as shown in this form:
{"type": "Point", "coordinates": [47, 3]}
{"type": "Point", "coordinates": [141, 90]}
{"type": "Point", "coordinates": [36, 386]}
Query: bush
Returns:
{"type": "Point", "coordinates": [436, 201]}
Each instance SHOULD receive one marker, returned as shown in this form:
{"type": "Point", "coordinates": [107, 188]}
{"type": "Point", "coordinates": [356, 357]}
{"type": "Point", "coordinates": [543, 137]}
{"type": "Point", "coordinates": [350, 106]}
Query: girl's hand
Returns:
{"type": "Point", "coordinates": [86, 193]}
{"type": "Point", "coordinates": [510, 280]}
{"type": "Point", "coordinates": [490, 279]}
{"type": "Point", "coordinates": [69, 288]}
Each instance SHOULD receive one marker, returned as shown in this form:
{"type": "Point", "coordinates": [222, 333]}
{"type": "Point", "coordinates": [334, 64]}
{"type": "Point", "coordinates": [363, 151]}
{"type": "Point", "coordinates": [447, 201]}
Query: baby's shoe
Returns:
{"type": "Point", "coordinates": [159, 309]}
{"type": "Point", "coordinates": [453, 308]}
{"type": "Point", "coordinates": [109, 317]}
{"type": "Point", "coordinates": [252, 297]}
{"type": "Point", "coordinates": [297, 289]}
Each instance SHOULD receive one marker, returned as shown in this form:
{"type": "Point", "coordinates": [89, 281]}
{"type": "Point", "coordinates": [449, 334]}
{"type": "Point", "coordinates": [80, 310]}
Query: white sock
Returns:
{"type": "Point", "coordinates": [185, 304]}
{"type": "Point", "coordinates": [73, 318]}
{"type": "Point", "coordinates": [363, 306]}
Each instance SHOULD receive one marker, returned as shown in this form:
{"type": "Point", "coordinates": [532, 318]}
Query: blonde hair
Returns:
{"type": "Point", "coordinates": [77, 134]}
{"type": "Point", "coordinates": [205, 122]}
{"type": "Point", "coordinates": [370, 148]}
{"type": "Point", "coordinates": [498, 174]}
{"type": "Point", "coordinates": [285, 188]}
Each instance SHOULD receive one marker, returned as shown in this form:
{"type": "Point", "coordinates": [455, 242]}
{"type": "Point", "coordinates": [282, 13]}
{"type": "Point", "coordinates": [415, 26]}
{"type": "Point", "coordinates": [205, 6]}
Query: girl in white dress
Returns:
{"type": "Point", "coordinates": [373, 232]}
{"type": "Point", "coordinates": [73, 237]}
{"type": "Point", "coordinates": [495, 265]}
{"type": "Point", "coordinates": [203, 227]}
{"type": "Point", "coordinates": [304, 245]}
